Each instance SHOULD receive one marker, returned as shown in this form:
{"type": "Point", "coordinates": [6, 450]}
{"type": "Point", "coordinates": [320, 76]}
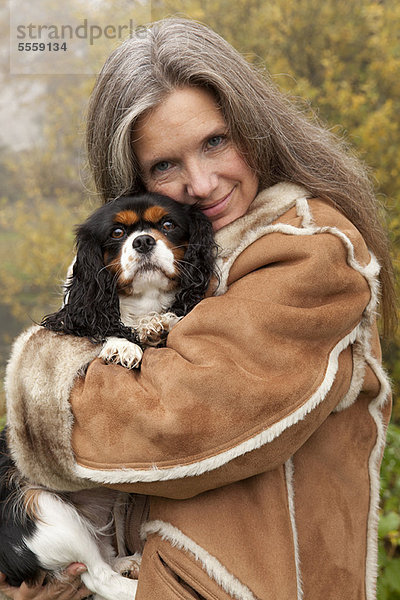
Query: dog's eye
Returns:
{"type": "Point", "coordinates": [118, 233]}
{"type": "Point", "coordinates": [168, 225]}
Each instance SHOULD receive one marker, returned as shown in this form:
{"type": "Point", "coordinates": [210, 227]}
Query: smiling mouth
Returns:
{"type": "Point", "coordinates": [216, 208]}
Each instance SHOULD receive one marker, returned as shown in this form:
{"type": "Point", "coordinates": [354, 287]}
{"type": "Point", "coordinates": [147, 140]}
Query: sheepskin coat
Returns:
{"type": "Point", "coordinates": [256, 434]}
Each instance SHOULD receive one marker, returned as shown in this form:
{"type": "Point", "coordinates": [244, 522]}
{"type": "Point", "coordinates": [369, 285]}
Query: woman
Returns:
{"type": "Point", "coordinates": [265, 415]}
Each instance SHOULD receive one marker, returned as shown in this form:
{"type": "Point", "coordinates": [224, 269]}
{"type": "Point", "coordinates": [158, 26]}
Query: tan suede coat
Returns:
{"type": "Point", "coordinates": [257, 432]}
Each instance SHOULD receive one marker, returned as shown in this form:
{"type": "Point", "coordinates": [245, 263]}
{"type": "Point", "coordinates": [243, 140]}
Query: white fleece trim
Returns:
{"type": "Point", "coordinates": [289, 475]}
{"type": "Point", "coordinates": [267, 206]}
{"type": "Point", "coordinates": [357, 378]}
{"type": "Point", "coordinates": [10, 382]}
{"type": "Point", "coordinates": [374, 474]}
{"type": "Point", "coordinates": [371, 561]}
{"type": "Point", "coordinates": [303, 210]}
{"type": "Point", "coordinates": [211, 565]}
{"type": "Point", "coordinates": [209, 464]}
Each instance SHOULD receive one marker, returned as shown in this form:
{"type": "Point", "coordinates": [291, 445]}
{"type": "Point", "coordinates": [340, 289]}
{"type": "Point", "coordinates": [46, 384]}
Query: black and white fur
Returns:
{"type": "Point", "coordinates": [142, 263]}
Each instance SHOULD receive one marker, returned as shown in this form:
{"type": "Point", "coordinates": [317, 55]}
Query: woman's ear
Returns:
{"type": "Point", "coordinates": [92, 305]}
{"type": "Point", "coordinates": [198, 262]}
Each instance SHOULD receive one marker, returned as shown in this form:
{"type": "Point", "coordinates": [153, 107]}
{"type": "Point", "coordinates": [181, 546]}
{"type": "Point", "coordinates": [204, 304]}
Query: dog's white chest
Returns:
{"type": "Point", "coordinates": [149, 300]}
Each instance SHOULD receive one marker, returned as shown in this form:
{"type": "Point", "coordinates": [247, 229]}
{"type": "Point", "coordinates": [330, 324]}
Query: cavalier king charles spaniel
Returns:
{"type": "Point", "coordinates": [142, 263]}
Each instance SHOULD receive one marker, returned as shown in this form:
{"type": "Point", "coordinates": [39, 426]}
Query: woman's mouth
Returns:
{"type": "Point", "coordinates": [215, 209]}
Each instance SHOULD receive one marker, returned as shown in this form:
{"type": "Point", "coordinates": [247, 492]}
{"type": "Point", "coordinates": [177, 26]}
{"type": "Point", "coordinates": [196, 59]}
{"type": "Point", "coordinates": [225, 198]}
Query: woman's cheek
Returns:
{"type": "Point", "coordinates": [171, 189]}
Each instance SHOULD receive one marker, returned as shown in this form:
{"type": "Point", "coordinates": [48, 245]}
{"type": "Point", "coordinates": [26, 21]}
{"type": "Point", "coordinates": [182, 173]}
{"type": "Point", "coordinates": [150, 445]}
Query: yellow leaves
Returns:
{"type": "Point", "coordinates": [42, 241]}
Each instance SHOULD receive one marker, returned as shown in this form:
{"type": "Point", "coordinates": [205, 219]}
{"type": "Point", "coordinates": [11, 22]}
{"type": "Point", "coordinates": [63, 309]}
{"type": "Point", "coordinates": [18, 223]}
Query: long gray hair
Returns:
{"type": "Point", "coordinates": [275, 138]}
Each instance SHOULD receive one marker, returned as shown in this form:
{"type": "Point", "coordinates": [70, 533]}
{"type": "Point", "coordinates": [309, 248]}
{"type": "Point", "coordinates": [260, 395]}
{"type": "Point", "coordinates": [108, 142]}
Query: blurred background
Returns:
{"type": "Point", "coordinates": [340, 58]}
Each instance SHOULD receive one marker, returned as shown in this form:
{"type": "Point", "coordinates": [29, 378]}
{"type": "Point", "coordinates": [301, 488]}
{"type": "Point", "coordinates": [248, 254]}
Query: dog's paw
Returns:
{"type": "Point", "coordinates": [120, 351]}
{"type": "Point", "coordinates": [128, 566]}
{"type": "Point", "coordinates": [154, 328]}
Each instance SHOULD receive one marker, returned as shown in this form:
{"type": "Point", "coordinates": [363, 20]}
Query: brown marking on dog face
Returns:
{"type": "Point", "coordinates": [127, 217]}
{"type": "Point", "coordinates": [177, 251]}
{"type": "Point", "coordinates": [153, 214]}
{"type": "Point", "coordinates": [114, 267]}
{"type": "Point", "coordinates": [113, 264]}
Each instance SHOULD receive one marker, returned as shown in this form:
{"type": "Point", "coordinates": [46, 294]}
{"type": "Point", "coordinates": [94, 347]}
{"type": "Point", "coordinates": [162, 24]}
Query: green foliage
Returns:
{"type": "Point", "coordinates": [389, 525]}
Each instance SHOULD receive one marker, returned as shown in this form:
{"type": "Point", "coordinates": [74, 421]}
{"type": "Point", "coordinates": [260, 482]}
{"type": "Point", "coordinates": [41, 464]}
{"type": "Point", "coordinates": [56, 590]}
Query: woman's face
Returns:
{"type": "Point", "coordinates": [185, 152]}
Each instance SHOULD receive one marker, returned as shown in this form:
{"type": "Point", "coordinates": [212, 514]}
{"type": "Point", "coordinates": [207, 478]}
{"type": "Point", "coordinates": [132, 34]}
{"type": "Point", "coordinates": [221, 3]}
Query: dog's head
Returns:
{"type": "Point", "coordinates": [128, 246]}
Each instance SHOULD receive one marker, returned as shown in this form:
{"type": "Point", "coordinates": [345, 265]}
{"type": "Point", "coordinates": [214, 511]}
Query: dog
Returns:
{"type": "Point", "coordinates": [142, 263]}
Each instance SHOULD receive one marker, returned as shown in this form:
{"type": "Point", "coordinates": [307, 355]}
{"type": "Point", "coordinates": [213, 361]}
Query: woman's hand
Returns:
{"type": "Point", "coordinates": [70, 588]}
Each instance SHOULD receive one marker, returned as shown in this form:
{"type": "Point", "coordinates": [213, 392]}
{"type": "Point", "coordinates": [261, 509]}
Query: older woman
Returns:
{"type": "Point", "coordinates": [255, 437]}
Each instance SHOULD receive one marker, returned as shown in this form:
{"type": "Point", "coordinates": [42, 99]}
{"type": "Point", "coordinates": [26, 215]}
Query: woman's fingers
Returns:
{"type": "Point", "coordinates": [70, 587]}
{"type": "Point", "coordinates": [6, 589]}
{"type": "Point", "coordinates": [75, 569]}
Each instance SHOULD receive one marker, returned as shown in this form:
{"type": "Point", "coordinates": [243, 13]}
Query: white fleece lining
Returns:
{"type": "Point", "coordinates": [289, 475]}
{"type": "Point", "coordinates": [209, 464]}
{"type": "Point", "coordinates": [303, 210]}
{"type": "Point", "coordinates": [357, 378]}
{"type": "Point", "coordinates": [214, 569]}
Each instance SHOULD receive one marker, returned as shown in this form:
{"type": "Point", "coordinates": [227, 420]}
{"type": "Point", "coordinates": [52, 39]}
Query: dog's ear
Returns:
{"type": "Point", "coordinates": [91, 306]}
{"type": "Point", "coordinates": [198, 263]}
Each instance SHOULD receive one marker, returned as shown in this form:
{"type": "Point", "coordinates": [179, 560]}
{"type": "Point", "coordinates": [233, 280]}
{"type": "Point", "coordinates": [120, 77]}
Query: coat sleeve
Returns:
{"type": "Point", "coordinates": [244, 381]}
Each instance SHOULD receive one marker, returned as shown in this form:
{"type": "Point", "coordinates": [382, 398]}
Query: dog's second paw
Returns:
{"type": "Point", "coordinates": [128, 566]}
{"type": "Point", "coordinates": [152, 329]}
{"type": "Point", "coordinates": [120, 351]}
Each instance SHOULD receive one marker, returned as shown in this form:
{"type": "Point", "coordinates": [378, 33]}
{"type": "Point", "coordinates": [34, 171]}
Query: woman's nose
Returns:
{"type": "Point", "coordinates": [201, 180]}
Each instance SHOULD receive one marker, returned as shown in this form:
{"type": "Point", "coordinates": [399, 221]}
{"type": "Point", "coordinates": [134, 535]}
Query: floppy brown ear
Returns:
{"type": "Point", "coordinates": [198, 262]}
{"type": "Point", "coordinates": [92, 304]}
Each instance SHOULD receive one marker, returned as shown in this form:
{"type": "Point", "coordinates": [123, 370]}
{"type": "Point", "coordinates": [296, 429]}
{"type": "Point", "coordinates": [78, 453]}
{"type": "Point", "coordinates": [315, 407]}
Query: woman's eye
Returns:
{"type": "Point", "coordinates": [162, 166]}
{"type": "Point", "coordinates": [118, 233]}
{"type": "Point", "coordinates": [216, 140]}
{"type": "Point", "coordinates": [168, 225]}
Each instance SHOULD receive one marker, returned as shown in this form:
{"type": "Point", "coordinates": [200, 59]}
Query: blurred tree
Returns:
{"type": "Point", "coordinates": [47, 190]}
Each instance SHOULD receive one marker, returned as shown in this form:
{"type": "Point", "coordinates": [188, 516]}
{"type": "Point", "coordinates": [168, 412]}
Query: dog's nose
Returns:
{"type": "Point", "coordinates": [144, 243]}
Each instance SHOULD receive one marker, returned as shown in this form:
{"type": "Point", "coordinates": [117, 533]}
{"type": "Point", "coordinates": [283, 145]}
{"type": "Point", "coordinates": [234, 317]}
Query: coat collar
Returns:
{"type": "Point", "coordinates": [267, 206]}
